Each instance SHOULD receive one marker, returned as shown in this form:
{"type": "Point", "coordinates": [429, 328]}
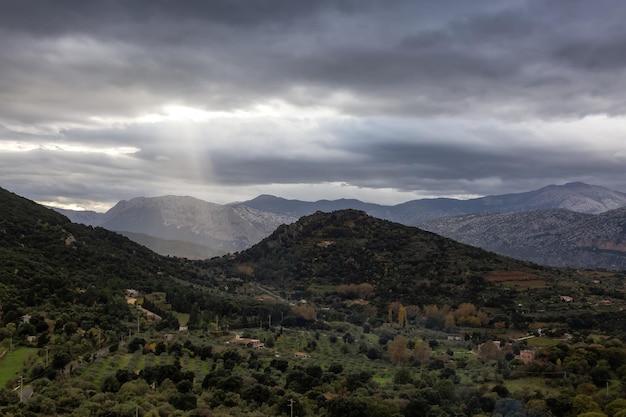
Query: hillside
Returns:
{"type": "Point", "coordinates": [178, 248]}
{"type": "Point", "coordinates": [548, 237]}
{"type": "Point", "coordinates": [62, 272]}
{"type": "Point", "coordinates": [402, 263]}
{"type": "Point", "coordinates": [52, 265]}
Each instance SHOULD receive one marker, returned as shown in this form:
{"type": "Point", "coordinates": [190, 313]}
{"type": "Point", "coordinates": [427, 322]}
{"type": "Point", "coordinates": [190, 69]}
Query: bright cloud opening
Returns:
{"type": "Point", "coordinates": [63, 147]}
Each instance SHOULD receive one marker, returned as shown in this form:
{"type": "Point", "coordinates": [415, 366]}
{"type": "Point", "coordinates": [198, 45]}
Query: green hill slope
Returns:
{"type": "Point", "coordinates": [51, 264]}
{"type": "Point", "coordinates": [414, 267]}
{"type": "Point", "coordinates": [350, 247]}
{"type": "Point", "coordinates": [61, 272]}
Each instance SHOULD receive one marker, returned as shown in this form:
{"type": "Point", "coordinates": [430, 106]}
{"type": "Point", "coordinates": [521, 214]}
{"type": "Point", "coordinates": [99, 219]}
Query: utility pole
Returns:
{"type": "Point", "coordinates": [270, 320]}
{"type": "Point", "coordinates": [21, 389]}
{"type": "Point", "coordinates": [291, 401]}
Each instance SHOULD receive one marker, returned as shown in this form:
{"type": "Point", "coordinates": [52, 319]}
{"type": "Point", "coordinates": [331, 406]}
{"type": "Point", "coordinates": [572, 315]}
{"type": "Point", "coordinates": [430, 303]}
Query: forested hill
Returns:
{"type": "Point", "coordinates": [401, 263]}
{"type": "Point", "coordinates": [53, 265]}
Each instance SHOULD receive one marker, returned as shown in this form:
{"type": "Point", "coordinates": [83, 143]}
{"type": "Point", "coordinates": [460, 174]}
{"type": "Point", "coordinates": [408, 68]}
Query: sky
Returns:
{"type": "Point", "coordinates": [384, 101]}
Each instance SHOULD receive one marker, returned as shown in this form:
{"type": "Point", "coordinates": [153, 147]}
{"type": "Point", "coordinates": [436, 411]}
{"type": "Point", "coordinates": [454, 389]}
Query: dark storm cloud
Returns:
{"type": "Point", "coordinates": [414, 95]}
{"type": "Point", "coordinates": [433, 159]}
{"type": "Point", "coordinates": [226, 53]}
{"type": "Point", "coordinates": [400, 57]}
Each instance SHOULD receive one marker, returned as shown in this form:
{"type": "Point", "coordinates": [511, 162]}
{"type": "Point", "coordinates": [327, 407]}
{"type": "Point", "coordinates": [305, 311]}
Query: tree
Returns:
{"type": "Point", "coordinates": [365, 290]}
{"type": "Point", "coordinates": [61, 359]}
{"type": "Point", "coordinates": [288, 405]}
{"type": "Point", "coordinates": [125, 375]}
{"type": "Point", "coordinates": [499, 325]}
{"type": "Point", "coordinates": [306, 312]}
{"type": "Point", "coordinates": [347, 407]}
{"type": "Point", "coordinates": [465, 310]}
{"type": "Point", "coordinates": [357, 380]}
{"type": "Point", "coordinates": [257, 393]}
{"type": "Point", "coordinates": [584, 403]}
{"type": "Point", "coordinates": [373, 353]}
{"type": "Point", "coordinates": [184, 386]}
{"type": "Point", "coordinates": [160, 347]}
{"type": "Point", "coordinates": [186, 401]}
{"type": "Point", "coordinates": [600, 373]}
{"type": "Point", "coordinates": [508, 407]}
{"type": "Point", "coordinates": [614, 406]}
{"type": "Point", "coordinates": [8, 396]}
{"type": "Point", "coordinates": [559, 406]}
{"type": "Point", "coordinates": [449, 324]}
{"type": "Point", "coordinates": [397, 350]}
{"type": "Point", "coordinates": [136, 344]}
{"type": "Point", "coordinates": [422, 352]}
{"type": "Point", "coordinates": [417, 406]}
{"type": "Point", "coordinates": [403, 376]}
{"type": "Point", "coordinates": [412, 311]}
{"type": "Point", "coordinates": [280, 364]}
{"type": "Point", "coordinates": [489, 350]}
{"type": "Point", "coordinates": [501, 390]}
{"type": "Point", "coordinates": [300, 381]}
{"type": "Point", "coordinates": [110, 384]}
{"type": "Point", "coordinates": [536, 408]}
{"type": "Point", "coordinates": [394, 308]}
{"type": "Point", "coordinates": [335, 368]}
{"type": "Point", "coordinates": [402, 316]}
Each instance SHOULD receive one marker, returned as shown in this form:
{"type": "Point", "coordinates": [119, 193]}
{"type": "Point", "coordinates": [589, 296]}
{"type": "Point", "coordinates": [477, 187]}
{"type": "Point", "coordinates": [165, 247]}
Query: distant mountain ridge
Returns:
{"type": "Point", "coordinates": [555, 237]}
{"type": "Point", "coordinates": [233, 227]}
{"type": "Point", "coordinates": [213, 229]}
{"type": "Point", "coordinates": [575, 196]}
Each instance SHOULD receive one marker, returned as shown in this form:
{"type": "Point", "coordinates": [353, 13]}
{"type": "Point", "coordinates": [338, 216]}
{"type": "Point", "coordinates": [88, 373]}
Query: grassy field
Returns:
{"type": "Point", "coordinates": [13, 362]}
{"type": "Point", "coordinates": [530, 385]}
{"type": "Point", "coordinates": [183, 318]}
{"type": "Point", "coordinates": [539, 342]}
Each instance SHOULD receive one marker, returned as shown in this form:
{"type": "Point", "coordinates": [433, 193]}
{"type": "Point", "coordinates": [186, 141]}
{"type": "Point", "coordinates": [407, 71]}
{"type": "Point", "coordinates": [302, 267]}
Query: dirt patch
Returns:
{"type": "Point", "coordinates": [518, 278]}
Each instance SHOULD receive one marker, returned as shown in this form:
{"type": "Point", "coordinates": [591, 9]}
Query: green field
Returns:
{"type": "Point", "coordinates": [541, 342]}
{"type": "Point", "coordinates": [183, 318]}
{"type": "Point", "coordinates": [529, 385]}
{"type": "Point", "coordinates": [13, 362]}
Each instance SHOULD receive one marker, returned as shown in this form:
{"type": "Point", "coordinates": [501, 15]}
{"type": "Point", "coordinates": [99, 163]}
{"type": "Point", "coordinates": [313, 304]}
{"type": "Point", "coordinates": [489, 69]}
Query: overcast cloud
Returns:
{"type": "Point", "coordinates": [385, 101]}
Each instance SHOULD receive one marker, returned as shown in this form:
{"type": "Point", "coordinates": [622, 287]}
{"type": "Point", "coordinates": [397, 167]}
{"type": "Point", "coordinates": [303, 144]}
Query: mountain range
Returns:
{"type": "Point", "coordinates": [578, 197]}
{"type": "Point", "coordinates": [555, 237]}
{"type": "Point", "coordinates": [196, 229]}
